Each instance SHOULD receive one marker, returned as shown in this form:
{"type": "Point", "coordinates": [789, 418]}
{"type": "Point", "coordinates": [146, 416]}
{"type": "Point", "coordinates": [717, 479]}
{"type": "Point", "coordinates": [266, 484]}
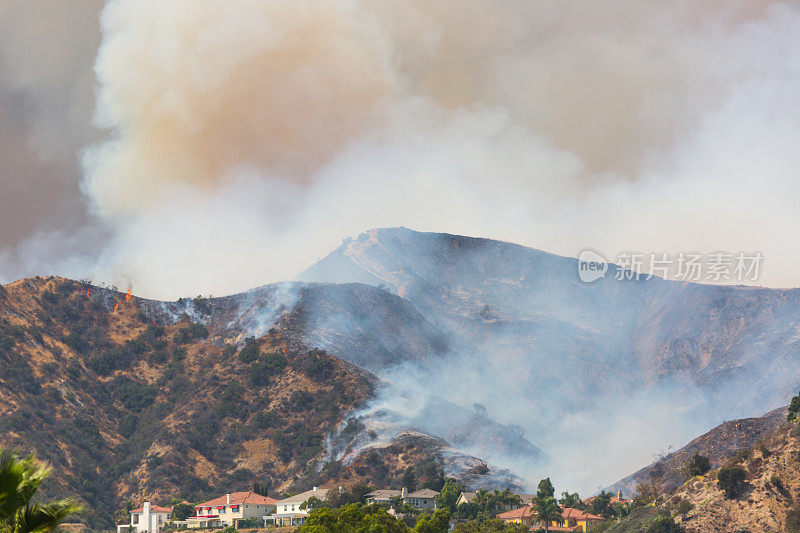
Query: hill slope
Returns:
{"type": "Point", "coordinates": [130, 398]}
{"type": "Point", "coordinates": [718, 445]}
{"type": "Point", "coordinates": [127, 400]}
{"type": "Point", "coordinates": [542, 349]}
{"type": "Point", "coordinates": [771, 490]}
{"type": "Point", "coordinates": [768, 501]}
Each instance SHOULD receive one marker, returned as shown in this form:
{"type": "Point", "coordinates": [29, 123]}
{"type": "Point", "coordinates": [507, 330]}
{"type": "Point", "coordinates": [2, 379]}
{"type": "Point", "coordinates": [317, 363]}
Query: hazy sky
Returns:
{"type": "Point", "coordinates": [209, 146]}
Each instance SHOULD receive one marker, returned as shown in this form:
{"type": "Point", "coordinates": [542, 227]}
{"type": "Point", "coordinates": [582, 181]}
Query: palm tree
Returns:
{"type": "Point", "coordinates": [548, 510]}
{"type": "Point", "coordinates": [19, 513]}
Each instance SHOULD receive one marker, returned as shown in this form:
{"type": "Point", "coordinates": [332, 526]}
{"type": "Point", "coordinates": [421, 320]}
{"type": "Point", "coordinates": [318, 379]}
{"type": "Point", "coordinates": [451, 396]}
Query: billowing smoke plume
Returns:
{"type": "Point", "coordinates": [247, 138]}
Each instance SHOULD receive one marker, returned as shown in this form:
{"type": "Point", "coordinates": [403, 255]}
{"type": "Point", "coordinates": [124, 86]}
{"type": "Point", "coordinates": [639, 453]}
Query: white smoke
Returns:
{"type": "Point", "coordinates": [248, 138]}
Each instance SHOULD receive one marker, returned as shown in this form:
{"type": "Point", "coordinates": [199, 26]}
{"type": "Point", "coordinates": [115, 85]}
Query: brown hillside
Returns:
{"type": "Point", "coordinates": [772, 490]}
{"type": "Point", "coordinates": [128, 399]}
{"type": "Point", "coordinates": [718, 445]}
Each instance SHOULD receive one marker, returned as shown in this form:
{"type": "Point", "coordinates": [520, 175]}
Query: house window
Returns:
{"type": "Point", "coordinates": [134, 519]}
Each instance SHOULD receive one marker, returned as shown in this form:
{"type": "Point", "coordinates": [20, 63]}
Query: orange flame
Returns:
{"type": "Point", "coordinates": [128, 295]}
{"type": "Point", "coordinates": [116, 306]}
{"type": "Point", "coordinates": [88, 293]}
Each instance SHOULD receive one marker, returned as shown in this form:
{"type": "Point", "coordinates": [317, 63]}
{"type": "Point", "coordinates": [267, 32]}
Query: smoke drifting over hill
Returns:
{"type": "Point", "coordinates": [244, 139]}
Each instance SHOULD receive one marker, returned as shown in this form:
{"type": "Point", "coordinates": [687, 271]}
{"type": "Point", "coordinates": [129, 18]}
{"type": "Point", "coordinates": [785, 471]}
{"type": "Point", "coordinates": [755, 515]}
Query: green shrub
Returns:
{"type": "Point", "coordinates": [231, 400]}
{"type": "Point", "coordinates": [300, 400]}
{"type": "Point", "coordinates": [190, 332]}
{"type": "Point", "coordinates": [132, 394]}
{"type": "Point", "coordinates": [664, 523]}
{"type": "Point", "coordinates": [793, 520]}
{"type": "Point", "coordinates": [316, 365]}
{"type": "Point", "coordinates": [109, 360]}
{"type": "Point", "coordinates": [76, 341]}
{"type": "Point", "coordinates": [182, 511]}
{"type": "Point", "coordinates": [265, 420]}
{"type": "Point", "coordinates": [697, 465]}
{"type": "Point", "coordinates": [777, 482]}
{"type": "Point", "coordinates": [683, 508]}
{"type": "Point", "coordinates": [266, 367]}
{"type": "Point", "coordinates": [794, 408]}
{"type": "Point", "coordinates": [731, 481]}
{"type": "Point", "coordinates": [127, 425]}
{"type": "Point", "coordinates": [249, 352]}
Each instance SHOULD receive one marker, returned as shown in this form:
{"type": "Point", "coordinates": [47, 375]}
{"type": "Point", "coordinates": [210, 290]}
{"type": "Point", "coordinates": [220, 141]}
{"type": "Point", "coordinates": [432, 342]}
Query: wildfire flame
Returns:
{"type": "Point", "coordinates": [116, 306]}
{"type": "Point", "coordinates": [88, 293]}
{"type": "Point", "coordinates": [128, 295]}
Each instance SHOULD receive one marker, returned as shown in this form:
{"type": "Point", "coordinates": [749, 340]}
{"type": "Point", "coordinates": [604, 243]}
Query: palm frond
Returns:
{"type": "Point", "coordinates": [40, 518]}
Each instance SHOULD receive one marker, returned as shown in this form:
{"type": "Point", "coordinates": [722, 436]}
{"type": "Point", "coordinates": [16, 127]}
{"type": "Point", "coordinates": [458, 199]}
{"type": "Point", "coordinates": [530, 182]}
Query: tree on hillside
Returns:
{"type": "Point", "coordinates": [355, 494]}
{"type": "Point", "coordinates": [430, 476]}
{"type": "Point", "coordinates": [731, 481]}
{"type": "Point", "coordinates": [646, 493]}
{"type": "Point", "coordinates": [261, 488]}
{"type": "Point", "coordinates": [438, 522]}
{"type": "Point", "coordinates": [448, 496]}
{"type": "Point", "coordinates": [546, 489]}
{"type": "Point", "coordinates": [548, 510]}
{"type": "Point", "coordinates": [601, 505]}
{"type": "Point", "coordinates": [19, 512]}
{"type": "Point", "coordinates": [664, 523]}
{"type": "Point", "coordinates": [697, 465]}
{"type": "Point", "coordinates": [571, 500]}
{"type": "Point", "coordinates": [352, 517]}
{"type": "Point", "coordinates": [794, 408]}
{"type": "Point", "coordinates": [182, 511]}
{"type": "Point", "coordinates": [409, 479]}
{"type": "Point", "coordinates": [312, 503]}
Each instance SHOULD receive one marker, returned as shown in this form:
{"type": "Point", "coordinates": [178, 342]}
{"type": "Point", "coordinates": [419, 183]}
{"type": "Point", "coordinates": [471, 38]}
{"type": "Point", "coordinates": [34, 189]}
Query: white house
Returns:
{"type": "Point", "coordinates": [146, 519]}
{"type": "Point", "coordinates": [421, 499]}
{"type": "Point", "coordinates": [228, 510]}
{"type": "Point", "coordinates": [289, 512]}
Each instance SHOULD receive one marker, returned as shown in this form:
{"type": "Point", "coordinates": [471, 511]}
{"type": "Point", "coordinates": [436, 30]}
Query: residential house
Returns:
{"type": "Point", "coordinates": [576, 520]}
{"type": "Point", "coordinates": [230, 509]}
{"type": "Point", "coordinates": [421, 499]}
{"type": "Point", "coordinates": [146, 519]}
{"type": "Point", "coordinates": [385, 495]}
{"type": "Point", "coordinates": [571, 519]}
{"type": "Point", "coordinates": [289, 512]}
{"type": "Point", "coordinates": [525, 515]}
{"type": "Point", "coordinates": [466, 497]}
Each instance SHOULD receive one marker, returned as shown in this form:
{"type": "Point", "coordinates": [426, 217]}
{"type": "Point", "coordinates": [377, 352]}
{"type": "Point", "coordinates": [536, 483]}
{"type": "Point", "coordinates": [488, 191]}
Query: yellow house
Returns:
{"type": "Point", "coordinates": [571, 519]}
{"type": "Point", "coordinates": [575, 520]}
{"type": "Point", "coordinates": [524, 515]}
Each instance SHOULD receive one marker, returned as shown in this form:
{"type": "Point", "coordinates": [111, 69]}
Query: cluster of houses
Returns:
{"type": "Point", "coordinates": [238, 507]}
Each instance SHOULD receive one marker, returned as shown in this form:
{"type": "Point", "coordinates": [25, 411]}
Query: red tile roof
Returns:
{"type": "Point", "coordinates": [522, 512]}
{"type": "Point", "coordinates": [154, 509]}
{"type": "Point", "coordinates": [577, 514]}
{"type": "Point", "coordinates": [239, 498]}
